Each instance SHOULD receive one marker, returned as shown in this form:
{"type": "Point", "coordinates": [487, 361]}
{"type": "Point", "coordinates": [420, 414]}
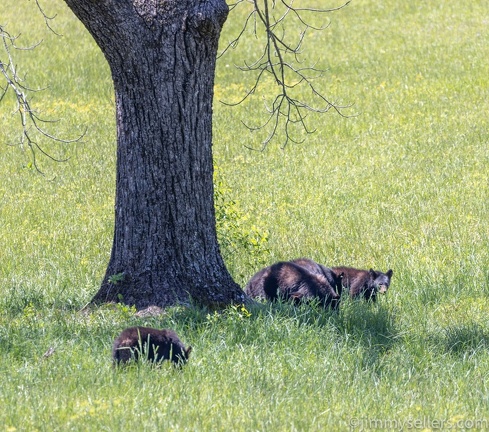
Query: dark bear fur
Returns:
{"type": "Point", "coordinates": [254, 288]}
{"type": "Point", "coordinates": [334, 279]}
{"type": "Point", "coordinates": [288, 280]}
{"type": "Point", "coordinates": [364, 283]}
{"type": "Point", "coordinates": [153, 344]}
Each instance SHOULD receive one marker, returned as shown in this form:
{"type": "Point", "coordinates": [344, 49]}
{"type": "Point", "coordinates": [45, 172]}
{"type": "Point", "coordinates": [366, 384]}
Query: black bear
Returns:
{"type": "Point", "coordinates": [334, 279]}
{"type": "Point", "coordinates": [254, 288]}
{"type": "Point", "coordinates": [153, 344]}
{"type": "Point", "coordinates": [288, 280]}
{"type": "Point", "coordinates": [364, 283]}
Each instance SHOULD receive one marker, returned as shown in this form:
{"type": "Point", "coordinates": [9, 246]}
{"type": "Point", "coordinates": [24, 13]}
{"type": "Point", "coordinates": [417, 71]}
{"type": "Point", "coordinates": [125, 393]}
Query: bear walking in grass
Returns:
{"type": "Point", "coordinates": [288, 280]}
{"type": "Point", "coordinates": [360, 283]}
{"type": "Point", "coordinates": [304, 278]}
{"type": "Point", "coordinates": [312, 273]}
{"type": "Point", "coordinates": [364, 283]}
{"type": "Point", "coordinates": [145, 342]}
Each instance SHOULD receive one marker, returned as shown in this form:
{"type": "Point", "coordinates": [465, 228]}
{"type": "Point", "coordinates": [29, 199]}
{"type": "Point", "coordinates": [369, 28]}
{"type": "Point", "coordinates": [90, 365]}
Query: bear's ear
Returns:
{"type": "Point", "coordinates": [188, 351]}
{"type": "Point", "coordinates": [389, 273]}
{"type": "Point", "coordinates": [372, 273]}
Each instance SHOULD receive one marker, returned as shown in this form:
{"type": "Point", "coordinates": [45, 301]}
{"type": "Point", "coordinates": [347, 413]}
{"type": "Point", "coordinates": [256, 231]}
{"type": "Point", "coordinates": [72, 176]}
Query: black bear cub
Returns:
{"type": "Point", "coordinates": [290, 281]}
{"type": "Point", "coordinates": [364, 283]}
{"type": "Point", "coordinates": [153, 344]}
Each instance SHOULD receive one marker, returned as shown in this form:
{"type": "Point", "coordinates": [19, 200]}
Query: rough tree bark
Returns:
{"type": "Point", "coordinates": [162, 57]}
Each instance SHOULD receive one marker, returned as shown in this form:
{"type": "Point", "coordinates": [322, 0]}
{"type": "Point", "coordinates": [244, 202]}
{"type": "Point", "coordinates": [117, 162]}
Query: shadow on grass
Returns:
{"type": "Point", "coordinates": [464, 339]}
{"type": "Point", "coordinates": [367, 328]}
{"type": "Point", "coordinates": [372, 326]}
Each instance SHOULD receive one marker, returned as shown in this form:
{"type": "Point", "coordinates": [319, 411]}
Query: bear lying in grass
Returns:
{"type": "Point", "coordinates": [153, 344]}
{"type": "Point", "coordinates": [290, 281]}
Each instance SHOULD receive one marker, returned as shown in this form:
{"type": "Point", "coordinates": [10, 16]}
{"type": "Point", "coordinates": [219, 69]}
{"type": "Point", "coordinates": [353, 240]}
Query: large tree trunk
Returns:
{"type": "Point", "coordinates": [162, 57]}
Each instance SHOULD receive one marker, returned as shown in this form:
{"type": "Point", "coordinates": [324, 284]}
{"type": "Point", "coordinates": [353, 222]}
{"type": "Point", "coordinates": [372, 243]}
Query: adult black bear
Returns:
{"type": "Point", "coordinates": [153, 344]}
{"type": "Point", "coordinates": [255, 286]}
{"type": "Point", "coordinates": [288, 280]}
{"type": "Point", "coordinates": [364, 283]}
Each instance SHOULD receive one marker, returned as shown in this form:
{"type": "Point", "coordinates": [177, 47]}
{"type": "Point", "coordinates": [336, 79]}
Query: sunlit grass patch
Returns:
{"type": "Point", "coordinates": [400, 184]}
{"type": "Point", "coordinates": [462, 311]}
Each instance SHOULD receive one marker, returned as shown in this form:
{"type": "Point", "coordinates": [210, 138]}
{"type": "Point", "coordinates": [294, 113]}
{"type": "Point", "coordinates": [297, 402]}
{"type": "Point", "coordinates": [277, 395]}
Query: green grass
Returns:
{"type": "Point", "coordinates": [402, 183]}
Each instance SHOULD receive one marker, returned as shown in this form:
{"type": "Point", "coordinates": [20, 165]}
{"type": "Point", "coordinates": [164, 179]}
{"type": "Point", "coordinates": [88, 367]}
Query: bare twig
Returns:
{"type": "Point", "coordinates": [280, 59]}
{"type": "Point", "coordinates": [47, 18]}
{"type": "Point", "coordinates": [30, 119]}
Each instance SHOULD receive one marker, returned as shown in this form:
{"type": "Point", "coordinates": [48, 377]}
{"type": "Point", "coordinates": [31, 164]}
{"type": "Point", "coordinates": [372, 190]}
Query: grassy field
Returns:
{"type": "Point", "coordinates": [401, 182]}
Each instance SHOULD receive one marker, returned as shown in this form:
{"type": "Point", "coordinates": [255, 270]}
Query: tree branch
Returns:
{"type": "Point", "coordinates": [30, 120]}
{"type": "Point", "coordinates": [281, 59]}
